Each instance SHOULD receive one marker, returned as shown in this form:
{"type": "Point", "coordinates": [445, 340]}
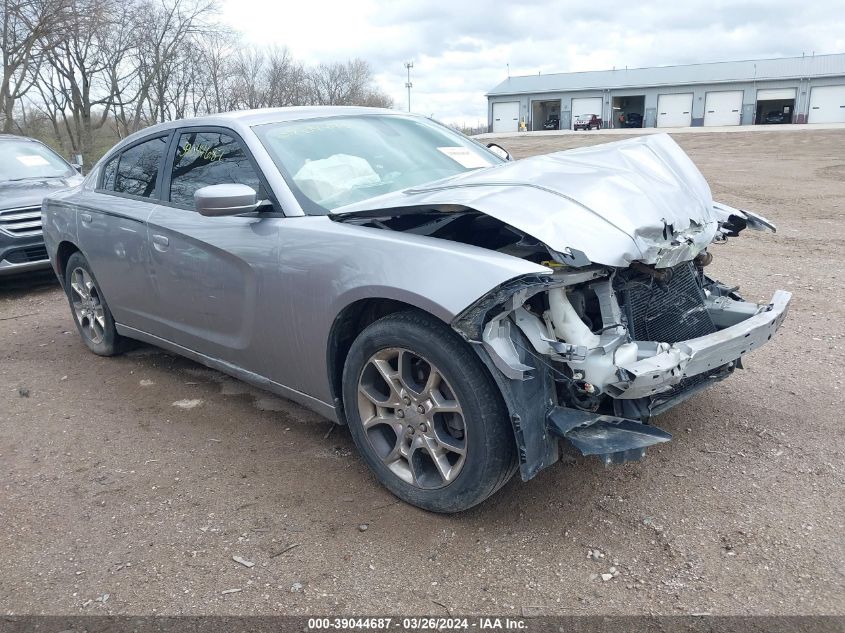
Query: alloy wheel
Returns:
{"type": "Point", "coordinates": [87, 305]}
{"type": "Point", "coordinates": [412, 418]}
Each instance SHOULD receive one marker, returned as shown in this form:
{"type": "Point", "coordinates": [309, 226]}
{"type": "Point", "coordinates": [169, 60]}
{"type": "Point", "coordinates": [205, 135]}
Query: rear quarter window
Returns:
{"type": "Point", "coordinates": [138, 168]}
{"type": "Point", "coordinates": [108, 174]}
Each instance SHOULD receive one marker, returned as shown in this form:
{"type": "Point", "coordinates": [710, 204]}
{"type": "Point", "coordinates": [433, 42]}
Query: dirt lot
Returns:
{"type": "Point", "coordinates": [114, 500]}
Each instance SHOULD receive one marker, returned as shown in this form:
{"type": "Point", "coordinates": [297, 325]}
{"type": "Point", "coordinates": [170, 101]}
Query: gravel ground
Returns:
{"type": "Point", "coordinates": [115, 499]}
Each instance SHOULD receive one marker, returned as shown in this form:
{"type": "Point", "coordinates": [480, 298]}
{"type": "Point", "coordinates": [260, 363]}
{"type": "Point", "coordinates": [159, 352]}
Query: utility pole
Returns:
{"type": "Point", "coordinates": [408, 84]}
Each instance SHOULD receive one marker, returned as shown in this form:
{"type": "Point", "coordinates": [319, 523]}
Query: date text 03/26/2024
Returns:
{"type": "Point", "coordinates": [418, 624]}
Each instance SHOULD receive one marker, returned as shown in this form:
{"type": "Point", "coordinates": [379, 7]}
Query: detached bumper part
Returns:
{"type": "Point", "coordinates": [614, 440]}
{"type": "Point", "coordinates": [668, 366]}
{"type": "Point", "coordinates": [643, 373]}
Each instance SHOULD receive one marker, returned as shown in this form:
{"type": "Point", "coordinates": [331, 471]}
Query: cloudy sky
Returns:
{"type": "Point", "coordinates": [461, 49]}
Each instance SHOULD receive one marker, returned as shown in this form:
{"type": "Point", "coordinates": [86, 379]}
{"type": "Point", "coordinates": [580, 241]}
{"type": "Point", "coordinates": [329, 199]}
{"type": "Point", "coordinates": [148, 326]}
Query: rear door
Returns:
{"type": "Point", "coordinates": [214, 276]}
{"type": "Point", "coordinates": [112, 227]}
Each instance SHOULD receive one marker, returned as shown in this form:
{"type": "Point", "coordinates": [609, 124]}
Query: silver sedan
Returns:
{"type": "Point", "coordinates": [463, 313]}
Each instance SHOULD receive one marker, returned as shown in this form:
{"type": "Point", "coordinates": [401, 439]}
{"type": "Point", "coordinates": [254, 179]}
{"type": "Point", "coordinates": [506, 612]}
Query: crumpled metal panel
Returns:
{"type": "Point", "coordinates": [615, 440]}
{"type": "Point", "coordinates": [667, 367]}
{"type": "Point", "coordinates": [639, 199]}
{"type": "Point", "coordinates": [609, 436]}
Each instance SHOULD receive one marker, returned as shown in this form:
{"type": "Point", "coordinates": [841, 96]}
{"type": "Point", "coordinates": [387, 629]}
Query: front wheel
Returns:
{"type": "Point", "coordinates": [425, 415]}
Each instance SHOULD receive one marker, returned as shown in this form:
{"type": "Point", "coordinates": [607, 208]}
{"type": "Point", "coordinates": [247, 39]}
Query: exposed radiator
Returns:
{"type": "Point", "coordinates": [669, 312]}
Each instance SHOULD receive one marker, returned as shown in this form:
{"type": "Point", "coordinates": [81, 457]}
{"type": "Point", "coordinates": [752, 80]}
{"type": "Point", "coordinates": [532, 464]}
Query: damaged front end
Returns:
{"type": "Point", "coordinates": [622, 322]}
{"type": "Point", "coordinates": [591, 354]}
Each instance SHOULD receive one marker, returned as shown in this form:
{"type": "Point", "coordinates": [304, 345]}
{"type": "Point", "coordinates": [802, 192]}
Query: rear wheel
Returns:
{"type": "Point", "coordinates": [89, 308]}
{"type": "Point", "coordinates": [425, 414]}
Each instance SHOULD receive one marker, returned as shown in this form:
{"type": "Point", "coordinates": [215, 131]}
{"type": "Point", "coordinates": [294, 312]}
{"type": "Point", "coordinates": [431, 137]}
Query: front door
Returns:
{"type": "Point", "coordinates": [212, 275]}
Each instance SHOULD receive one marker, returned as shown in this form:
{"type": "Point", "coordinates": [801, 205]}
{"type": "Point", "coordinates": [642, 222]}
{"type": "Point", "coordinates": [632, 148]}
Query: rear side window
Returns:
{"type": "Point", "coordinates": [208, 158]}
{"type": "Point", "coordinates": [137, 169]}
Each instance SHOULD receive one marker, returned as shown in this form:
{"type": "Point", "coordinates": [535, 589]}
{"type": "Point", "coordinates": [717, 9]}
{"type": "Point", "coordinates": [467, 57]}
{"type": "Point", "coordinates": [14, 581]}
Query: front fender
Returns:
{"type": "Point", "coordinates": [329, 266]}
{"type": "Point", "coordinates": [435, 275]}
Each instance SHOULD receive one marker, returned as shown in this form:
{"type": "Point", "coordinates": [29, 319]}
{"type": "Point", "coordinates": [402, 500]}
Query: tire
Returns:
{"type": "Point", "coordinates": [409, 360]}
{"type": "Point", "coordinates": [90, 311]}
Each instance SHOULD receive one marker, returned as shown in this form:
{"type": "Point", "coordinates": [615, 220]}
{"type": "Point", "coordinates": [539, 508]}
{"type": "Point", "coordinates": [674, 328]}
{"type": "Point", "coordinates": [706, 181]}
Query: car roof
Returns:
{"type": "Point", "coordinates": [261, 116]}
{"type": "Point", "coordinates": [273, 115]}
{"type": "Point", "coordinates": [240, 119]}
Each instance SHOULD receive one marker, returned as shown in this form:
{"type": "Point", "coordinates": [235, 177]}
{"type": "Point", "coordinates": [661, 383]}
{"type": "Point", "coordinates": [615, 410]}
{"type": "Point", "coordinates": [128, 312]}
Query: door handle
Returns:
{"type": "Point", "coordinates": [85, 217]}
{"type": "Point", "coordinates": [160, 242]}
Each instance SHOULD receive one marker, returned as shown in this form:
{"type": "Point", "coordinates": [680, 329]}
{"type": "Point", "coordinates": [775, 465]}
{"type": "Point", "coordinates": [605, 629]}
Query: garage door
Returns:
{"type": "Point", "coordinates": [776, 94]}
{"type": "Point", "coordinates": [827, 104]}
{"type": "Point", "coordinates": [723, 108]}
{"type": "Point", "coordinates": [506, 116]}
{"type": "Point", "coordinates": [674, 110]}
{"type": "Point", "coordinates": [585, 106]}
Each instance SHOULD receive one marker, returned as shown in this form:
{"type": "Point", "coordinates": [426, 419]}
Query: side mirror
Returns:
{"type": "Point", "coordinates": [499, 151]}
{"type": "Point", "coordinates": [77, 163]}
{"type": "Point", "coordinates": [226, 199]}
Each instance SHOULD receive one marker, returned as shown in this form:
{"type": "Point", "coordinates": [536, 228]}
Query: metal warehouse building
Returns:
{"type": "Point", "coordinates": [807, 89]}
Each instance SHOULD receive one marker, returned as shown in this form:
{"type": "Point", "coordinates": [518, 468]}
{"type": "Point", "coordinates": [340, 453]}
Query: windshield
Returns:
{"type": "Point", "coordinates": [22, 160]}
{"type": "Point", "coordinates": [336, 161]}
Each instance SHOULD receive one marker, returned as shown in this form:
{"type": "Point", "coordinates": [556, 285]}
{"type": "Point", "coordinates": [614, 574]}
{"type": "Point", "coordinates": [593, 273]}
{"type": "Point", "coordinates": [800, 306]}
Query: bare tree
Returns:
{"type": "Point", "coordinates": [267, 78]}
{"type": "Point", "coordinates": [120, 65]}
{"type": "Point", "coordinates": [122, 72]}
{"type": "Point", "coordinates": [130, 63]}
{"type": "Point", "coordinates": [214, 84]}
{"type": "Point", "coordinates": [339, 83]}
{"type": "Point", "coordinates": [169, 29]}
{"type": "Point", "coordinates": [75, 83]}
{"type": "Point", "coordinates": [285, 79]}
{"type": "Point", "coordinates": [248, 89]}
{"type": "Point", "coordinates": [349, 83]}
{"type": "Point", "coordinates": [375, 98]}
{"type": "Point", "coordinates": [27, 26]}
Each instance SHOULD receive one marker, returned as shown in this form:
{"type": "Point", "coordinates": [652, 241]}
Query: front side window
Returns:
{"type": "Point", "coordinates": [336, 161]}
{"type": "Point", "coordinates": [137, 169]}
{"type": "Point", "coordinates": [208, 158]}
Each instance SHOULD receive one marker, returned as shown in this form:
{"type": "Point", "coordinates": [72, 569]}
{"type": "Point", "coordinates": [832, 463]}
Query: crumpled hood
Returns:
{"type": "Point", "coordinates": [640, 199]}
